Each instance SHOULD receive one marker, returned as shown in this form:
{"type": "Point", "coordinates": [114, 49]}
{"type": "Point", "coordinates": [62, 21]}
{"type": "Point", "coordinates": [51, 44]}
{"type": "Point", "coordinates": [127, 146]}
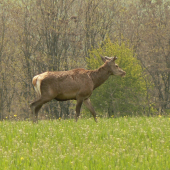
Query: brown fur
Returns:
{"type": "Point", "coordinates": [76, 84]}
{"type": "Point", "coordinates": [34, 80]}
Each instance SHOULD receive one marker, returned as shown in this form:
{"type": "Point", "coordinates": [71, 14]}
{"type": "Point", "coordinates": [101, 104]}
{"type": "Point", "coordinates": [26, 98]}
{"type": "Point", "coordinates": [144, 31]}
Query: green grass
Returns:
{"type": "Point", "coordinates": [116, 144]}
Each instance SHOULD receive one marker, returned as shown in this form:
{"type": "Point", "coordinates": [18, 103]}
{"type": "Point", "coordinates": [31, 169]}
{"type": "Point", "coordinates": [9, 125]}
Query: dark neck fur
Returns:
{"type": "Point", "coordinates": [100, 75]}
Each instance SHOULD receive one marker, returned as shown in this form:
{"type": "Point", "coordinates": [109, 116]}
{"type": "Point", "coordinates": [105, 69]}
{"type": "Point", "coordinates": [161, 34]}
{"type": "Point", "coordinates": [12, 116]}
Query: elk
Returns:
{"type": "Point", "coordinates": [77, 84]}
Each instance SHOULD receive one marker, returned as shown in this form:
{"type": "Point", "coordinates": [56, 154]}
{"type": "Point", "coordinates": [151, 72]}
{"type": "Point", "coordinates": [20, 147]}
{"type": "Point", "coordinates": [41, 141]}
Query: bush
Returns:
{"type": "Point", "coordinates": [119, 96]}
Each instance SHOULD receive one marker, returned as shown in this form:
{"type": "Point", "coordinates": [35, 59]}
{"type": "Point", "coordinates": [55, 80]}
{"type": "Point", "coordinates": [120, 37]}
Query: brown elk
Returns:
{"type": "Point", "coordinates": [77, 84]}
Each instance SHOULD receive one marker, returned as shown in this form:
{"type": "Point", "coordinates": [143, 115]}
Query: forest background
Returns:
{"type": "Point", "coordinates": [54, 35]}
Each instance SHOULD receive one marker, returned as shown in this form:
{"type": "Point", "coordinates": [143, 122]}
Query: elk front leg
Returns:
{"type": "Point", "coordinates": [78, 107]}
{"type": "Point", "coordinates": [88, 104]}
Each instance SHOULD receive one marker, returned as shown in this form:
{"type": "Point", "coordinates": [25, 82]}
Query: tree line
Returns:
{"type": "Point", "coordinates": [48, 35]}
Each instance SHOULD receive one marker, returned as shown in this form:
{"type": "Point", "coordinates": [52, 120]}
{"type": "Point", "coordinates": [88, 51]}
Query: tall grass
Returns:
{"type": "Point", "coordinates": [121, 143]}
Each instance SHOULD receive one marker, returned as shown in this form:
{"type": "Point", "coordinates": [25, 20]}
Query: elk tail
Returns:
{"type": "Point", "coordinates": [37, 84]}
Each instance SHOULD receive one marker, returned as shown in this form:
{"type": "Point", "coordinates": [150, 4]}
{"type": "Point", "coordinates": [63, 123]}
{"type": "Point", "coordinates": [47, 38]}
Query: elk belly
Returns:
{"type": "Point", "coordinates": [66, 96]}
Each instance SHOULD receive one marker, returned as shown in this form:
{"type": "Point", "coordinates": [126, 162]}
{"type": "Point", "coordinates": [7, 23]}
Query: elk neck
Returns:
{"type": "Point", "coordinates": [100, 75]}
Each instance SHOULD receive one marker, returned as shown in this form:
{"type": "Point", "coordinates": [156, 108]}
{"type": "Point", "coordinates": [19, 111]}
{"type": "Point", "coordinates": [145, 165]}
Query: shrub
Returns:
{"type": "Point", "coordinates": [119, 96]}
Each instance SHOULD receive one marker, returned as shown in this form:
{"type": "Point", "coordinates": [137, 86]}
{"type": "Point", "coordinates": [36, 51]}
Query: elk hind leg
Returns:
{"type": "Point", "coordinates": [32, 106]}
{"type": "Point", "coordinates": [35, 107]}
{"type": "Point", "coordinates": [78, 107]}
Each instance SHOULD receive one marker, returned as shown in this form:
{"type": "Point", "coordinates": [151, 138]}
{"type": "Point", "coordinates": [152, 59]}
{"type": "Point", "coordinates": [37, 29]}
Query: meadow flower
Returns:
{"type": "Point", "coordinates": [15, 115]}
{"type": "Point", "coordinates": [22, 158]}
{"type": "Point", "coordinates": [159, 116]}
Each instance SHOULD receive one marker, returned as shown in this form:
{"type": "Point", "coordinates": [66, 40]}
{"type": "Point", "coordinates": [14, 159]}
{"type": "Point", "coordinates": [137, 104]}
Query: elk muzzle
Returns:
{"type": "Point", "coordinates": [123, 74]}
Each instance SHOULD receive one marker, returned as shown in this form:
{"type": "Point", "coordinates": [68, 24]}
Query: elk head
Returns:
{"type": "Point", "coordinates": [114, 68]}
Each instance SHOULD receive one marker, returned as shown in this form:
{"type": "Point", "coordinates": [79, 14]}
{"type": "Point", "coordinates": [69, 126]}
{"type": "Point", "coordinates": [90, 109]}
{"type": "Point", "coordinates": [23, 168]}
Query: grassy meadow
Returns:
{"type": "Point", "coordinates": [117, 144]}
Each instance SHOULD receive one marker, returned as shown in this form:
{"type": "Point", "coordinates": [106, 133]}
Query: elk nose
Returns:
{"type": "Point", "coordinates": [123, 74]}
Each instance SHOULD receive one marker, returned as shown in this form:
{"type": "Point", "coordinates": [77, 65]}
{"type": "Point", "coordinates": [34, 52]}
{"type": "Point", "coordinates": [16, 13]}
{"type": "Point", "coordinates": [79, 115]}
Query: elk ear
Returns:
{"type": "Point", "coordinates": [103, 58]}
{"type": "Point", "coordinates": [114, 58]}
{"type": "Point", "coordinates": [108, 58]}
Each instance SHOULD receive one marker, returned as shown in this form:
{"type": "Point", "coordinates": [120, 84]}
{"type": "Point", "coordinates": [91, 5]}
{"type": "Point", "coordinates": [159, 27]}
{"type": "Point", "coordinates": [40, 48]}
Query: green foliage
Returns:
{"type": "Point", "coordinates": [119, 96]}
{"type": "Point", "coordinates": [121, 143]}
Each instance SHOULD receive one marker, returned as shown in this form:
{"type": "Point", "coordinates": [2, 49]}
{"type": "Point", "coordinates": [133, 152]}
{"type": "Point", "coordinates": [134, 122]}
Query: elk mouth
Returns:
{"type": "Point", "coordinates": [123, 74]}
